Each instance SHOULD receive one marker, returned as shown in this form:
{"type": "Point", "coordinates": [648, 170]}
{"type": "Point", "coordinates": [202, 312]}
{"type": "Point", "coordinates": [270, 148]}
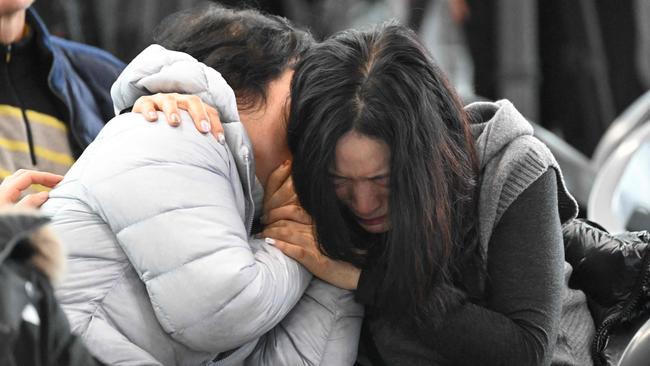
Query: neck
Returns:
{"type": "Point", "coordinates": [12, 27]}
{"type": "Point", "coordinates": [249, 118]}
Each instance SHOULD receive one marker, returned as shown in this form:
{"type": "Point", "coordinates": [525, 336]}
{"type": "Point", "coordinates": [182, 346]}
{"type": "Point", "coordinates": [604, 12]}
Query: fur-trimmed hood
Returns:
{"type": "Point", "coordinates": [26, 236]}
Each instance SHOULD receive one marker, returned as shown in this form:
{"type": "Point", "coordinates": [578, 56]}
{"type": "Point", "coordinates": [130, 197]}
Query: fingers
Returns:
{"type": "Point", "coordinates": [294, 251]}
{"type": "Point", "coordinates": [277, 179]}
{"type": "Point", "coordinates": [23, 178]}
{"type": "Point", "coordinates": [13, 186]}
{"type": "Point", "coordinates": [285, 195]}
{"type": "Point", "coordinates": [292, 232]}
{"type": "Point", "coordinates": [279, 188]}
{"type": "Point", "coordinates": [337, 273]}
{"type": "Point", "coordinates": [195, 107]}
{"type": "Point", "coordinates": [146, 106]}
{"type": "Point", "coordinates": [206, 118]}
{"type": "Point", "coordinates": [215, 122]}
{"type": "Point", "coordinates": [289, 212]}
{"type": "Point", "coordinates": [169, 105]}
{"type": "Point", "coordinates": [35, 200]}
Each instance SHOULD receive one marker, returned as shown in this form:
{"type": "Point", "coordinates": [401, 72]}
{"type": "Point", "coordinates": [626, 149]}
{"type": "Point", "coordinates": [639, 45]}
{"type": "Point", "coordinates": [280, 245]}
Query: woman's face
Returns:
{"type": "Point", "coordinates": [361, 178]}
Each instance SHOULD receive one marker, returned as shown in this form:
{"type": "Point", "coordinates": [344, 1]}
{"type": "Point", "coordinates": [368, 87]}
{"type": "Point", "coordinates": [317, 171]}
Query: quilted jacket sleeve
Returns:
{"type": "Point", "coordinates": [173, 199]}
{"type": "Point", "coordinates": [322, 329]}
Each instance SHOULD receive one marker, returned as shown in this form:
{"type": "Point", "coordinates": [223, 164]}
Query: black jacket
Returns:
{"type": "Point", "coordinates": [614, 273]}
{"type": "Point", "coordinates": [33, 328]}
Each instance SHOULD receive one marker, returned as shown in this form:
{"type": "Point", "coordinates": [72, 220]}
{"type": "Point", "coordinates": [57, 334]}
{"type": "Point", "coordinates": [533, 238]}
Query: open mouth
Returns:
{"type": "Point", "coordinates": [373, 221]}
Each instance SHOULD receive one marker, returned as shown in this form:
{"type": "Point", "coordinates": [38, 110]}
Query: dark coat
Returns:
{"type": "Point", "coordinates": [614, 273]}
{"type": "Point", "coordinates": [33, 328]}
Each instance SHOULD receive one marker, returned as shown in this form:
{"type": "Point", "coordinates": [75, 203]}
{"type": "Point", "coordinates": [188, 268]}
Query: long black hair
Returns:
{"type": "Point", "coordinates": [383, 84]}
{"type": "Point", "coordinates": [249, 48]}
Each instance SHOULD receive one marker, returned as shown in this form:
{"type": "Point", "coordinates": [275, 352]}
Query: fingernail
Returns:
{"type": "Point", "coordinates": [152, 115]}
{"type": "Point", "coordinates": [286, 162]}
{"type": "Point", "coordinates": [221, 138]}
{"type": "Point", "coordinates": [205, 126]}
{"type": "Point", "coordinates": [176, 118]}
{"type": "Point", "coordinates": [269, 241]}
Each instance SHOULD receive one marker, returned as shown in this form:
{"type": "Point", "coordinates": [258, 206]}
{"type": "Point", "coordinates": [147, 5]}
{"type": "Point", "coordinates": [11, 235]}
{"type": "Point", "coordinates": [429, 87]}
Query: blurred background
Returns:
{"type": "Point", "coordinates": [579, 69]}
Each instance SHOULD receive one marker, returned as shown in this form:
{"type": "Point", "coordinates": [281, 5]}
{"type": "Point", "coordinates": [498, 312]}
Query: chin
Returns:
{"type": "Point", "coordinates": [375, 229]}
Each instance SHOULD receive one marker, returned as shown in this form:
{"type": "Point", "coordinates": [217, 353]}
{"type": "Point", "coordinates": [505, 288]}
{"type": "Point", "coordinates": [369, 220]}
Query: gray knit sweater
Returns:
{"type": "Point", "coordinates": [511, 159]}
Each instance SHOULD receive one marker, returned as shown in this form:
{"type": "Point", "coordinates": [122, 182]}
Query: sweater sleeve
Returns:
{"type": "Point", "coordinates": [519, 323]}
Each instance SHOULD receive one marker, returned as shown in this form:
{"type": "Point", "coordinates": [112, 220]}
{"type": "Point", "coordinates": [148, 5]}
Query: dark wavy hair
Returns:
{"type": "Point", "coordinates": [249, 48]}
{"type": "Point", "coordinates": [383, 84]}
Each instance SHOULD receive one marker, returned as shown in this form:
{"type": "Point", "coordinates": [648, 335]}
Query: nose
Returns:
{"type": "Point", "coordinates": [365, 199]}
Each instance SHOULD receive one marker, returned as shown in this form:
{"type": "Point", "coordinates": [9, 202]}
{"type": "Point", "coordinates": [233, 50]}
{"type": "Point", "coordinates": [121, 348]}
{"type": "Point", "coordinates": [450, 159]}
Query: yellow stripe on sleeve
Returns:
{"type": "Point", "coordinates": [33, 116]}
{"type": "Point", "coordinates": [53, 156]}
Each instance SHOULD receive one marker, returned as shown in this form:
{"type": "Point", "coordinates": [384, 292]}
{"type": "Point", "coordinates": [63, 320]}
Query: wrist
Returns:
{"type": "Point", "coordinates": [352, 276]}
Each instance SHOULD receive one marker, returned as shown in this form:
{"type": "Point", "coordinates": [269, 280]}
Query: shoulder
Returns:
{"type": "Point", "coordinates": [520, 163]}
{"type": "Point", "coordinates": [129, 142]}
{"type": "Point", "coordinates": [82, 55]}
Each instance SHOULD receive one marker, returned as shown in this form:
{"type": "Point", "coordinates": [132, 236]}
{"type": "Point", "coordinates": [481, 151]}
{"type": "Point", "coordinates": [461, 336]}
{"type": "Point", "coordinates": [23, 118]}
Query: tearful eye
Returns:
{"type": "Point", "coordinates": [383, 180]}
{"type": "Point", "coordinates": [339, 182]}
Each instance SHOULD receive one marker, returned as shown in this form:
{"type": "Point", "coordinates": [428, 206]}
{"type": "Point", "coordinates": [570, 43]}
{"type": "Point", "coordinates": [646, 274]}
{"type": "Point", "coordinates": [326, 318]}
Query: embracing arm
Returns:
{"type": "Point", "coordinates": [322, 329]}
{"type": "Point", "coordinates": [171, 198]}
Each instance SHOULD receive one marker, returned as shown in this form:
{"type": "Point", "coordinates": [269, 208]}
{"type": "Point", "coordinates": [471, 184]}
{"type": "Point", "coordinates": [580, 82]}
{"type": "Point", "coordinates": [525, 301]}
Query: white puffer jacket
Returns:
{"type": "Point", "coordinates": [162, 269]}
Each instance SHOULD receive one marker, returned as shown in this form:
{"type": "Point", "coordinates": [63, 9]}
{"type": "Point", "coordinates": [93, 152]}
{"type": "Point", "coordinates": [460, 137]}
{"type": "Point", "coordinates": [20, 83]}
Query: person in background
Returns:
{"type": "Point", "coordinates": [54, 97]}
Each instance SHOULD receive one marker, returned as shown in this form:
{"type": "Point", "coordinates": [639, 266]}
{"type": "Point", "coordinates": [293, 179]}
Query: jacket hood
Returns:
{"type": "Point", "coordinates": [495, 125]}
{"type": "Point", "coordinates": [158, 70]}
{"type": "Point", "coordinates": [510, 159]}
{"type": "Point", "coordinates": [24, 233]}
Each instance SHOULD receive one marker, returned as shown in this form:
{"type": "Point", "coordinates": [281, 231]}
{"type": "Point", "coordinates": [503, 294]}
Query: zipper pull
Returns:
{"type": "Point", "coordinates": [8, 54]}
{"type": "Point", "coordinates": [245, 153]}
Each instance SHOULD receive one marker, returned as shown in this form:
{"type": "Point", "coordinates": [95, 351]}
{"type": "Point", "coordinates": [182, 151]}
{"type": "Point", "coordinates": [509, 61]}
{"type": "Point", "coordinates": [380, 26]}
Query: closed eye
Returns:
{"type": "Point", "coordinates": [381, 179]}
{"type": "Point", "coordinates": [338, 180]}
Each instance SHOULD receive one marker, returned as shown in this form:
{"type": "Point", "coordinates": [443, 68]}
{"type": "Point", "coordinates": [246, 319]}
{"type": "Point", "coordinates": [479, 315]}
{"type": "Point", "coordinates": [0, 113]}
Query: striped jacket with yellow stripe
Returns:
{"type": "Point", "coordinates": [52, 110]}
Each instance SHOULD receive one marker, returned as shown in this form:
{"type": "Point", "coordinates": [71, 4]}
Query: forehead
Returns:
{"type": "Point", "coordinates": [360, 156]}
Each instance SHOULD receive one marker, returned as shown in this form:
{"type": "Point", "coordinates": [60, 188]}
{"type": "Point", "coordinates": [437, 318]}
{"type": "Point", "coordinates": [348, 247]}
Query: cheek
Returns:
{"type": "Point", "coordinates": [344, 195]}
{"type": "Point", "coordinates": [341, 193]}
{"type": "Point", "coordinates": [384, 196]}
